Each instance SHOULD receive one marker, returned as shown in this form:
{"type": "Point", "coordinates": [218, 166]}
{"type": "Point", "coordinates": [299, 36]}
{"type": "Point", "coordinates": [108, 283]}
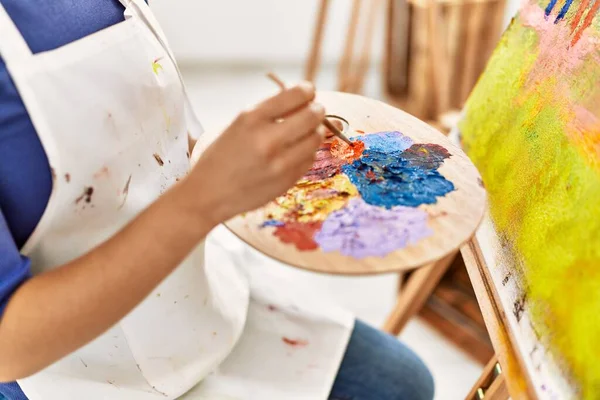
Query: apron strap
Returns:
{"type": "Point", "coordinates": [13, 47]}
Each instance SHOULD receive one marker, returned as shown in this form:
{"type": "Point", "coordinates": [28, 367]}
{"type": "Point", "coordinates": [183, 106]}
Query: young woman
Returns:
{"type": "Point", "coordinates": [107, 291]}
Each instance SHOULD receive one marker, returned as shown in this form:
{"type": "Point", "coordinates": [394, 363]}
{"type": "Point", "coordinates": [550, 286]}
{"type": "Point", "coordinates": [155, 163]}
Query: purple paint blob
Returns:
{"type": "Point", "coordinates": [387, 141]}
{"type": "Point", "coordinates": [361, 230]}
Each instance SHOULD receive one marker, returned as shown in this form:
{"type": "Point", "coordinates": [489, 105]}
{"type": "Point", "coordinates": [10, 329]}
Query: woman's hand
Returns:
{"type": "Point", "coordinates": [261, 154]}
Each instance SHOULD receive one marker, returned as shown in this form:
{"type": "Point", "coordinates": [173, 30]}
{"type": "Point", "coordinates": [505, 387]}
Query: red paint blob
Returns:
{"type": "Point", "coordinates": [294, 342]}
{"type": "Point", "coordinates": [299, 234]}
{"type": "Point", "coordinates": [325, 164]}
{"type": "Point", "coordinates": [341, 149]}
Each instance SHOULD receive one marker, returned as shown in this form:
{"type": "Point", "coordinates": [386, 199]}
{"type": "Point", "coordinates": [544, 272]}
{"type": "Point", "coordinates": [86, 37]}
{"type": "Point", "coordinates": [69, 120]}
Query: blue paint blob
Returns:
{"type": "Point", "coordinates": [271, 222]}
{"type": "Point", "coordinates": [400, 178]}
{"type": "Point", "coordinates": [386, 141]}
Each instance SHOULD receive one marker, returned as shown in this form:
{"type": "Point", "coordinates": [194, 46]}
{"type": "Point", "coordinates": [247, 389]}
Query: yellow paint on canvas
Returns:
{"type": "Point", "coordinates": [544, 186]}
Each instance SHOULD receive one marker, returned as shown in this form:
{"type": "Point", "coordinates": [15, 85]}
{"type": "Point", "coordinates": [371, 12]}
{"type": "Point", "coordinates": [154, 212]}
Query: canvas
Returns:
{"type": "Point", "coordinates": [532, 127]}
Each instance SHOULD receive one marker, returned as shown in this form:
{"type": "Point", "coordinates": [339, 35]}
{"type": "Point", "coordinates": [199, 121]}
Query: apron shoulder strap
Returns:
{"type": "Point", "coordinates": [13, 47]}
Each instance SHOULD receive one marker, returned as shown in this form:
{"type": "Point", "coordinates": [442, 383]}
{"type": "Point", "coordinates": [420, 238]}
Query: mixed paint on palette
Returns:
{"type": "Point", "coordinates": [532, 127]}
{"type": "Point", "coordinates": [362, 200]}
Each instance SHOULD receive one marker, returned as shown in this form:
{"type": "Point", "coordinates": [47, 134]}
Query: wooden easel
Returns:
{"type": "Point", "coordinates": [355, 61]}
{"type": "Point", "coordinates": [431, 71]}
{"type": "Point", "coordinates": [504, 375]}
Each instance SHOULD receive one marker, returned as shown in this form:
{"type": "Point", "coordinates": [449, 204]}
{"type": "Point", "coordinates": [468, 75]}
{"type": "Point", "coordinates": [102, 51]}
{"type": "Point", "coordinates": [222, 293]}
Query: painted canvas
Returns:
{"type": "Point", "coordinates": [532, 127]}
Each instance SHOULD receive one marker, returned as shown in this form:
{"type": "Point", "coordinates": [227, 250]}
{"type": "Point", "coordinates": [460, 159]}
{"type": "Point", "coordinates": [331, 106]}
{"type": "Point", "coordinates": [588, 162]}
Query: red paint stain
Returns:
{"type": "Point", "coordinates": [68, 178]}
{"type": "Point", "coordinates": [294, 342]}
{"type": "Point", "coordinates": [371, 175]}
{"type": "Point", "coordinates": [271, 307]}
{"type": "Point", "coordinates": [344, 151]}
{"type": "Point", "coordinates": [299, 234]}
{"type": "Point", "coordinates": [102, 173]}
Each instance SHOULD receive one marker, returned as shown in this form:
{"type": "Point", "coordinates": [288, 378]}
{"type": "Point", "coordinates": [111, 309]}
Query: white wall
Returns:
{"type": "Point", "coordinates": [256, 31]}
{"type": "Point", "coordinates": [252, 31]}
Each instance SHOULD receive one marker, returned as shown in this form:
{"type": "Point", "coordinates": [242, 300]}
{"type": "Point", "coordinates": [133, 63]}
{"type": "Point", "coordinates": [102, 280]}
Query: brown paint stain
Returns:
{"type": "Point", "coordinates": [271, 307]}
{"type": "Point", "coordinates": [53, 173]}
{"type": "Point", "coordinates": [187, 153]}
{"type": "Point", "coordinates": [158, 159]}
{"type": "Point", "coordinates": [68, 177]}
{"type": "Point", "coordinates": [294, 342]}
{"type": "Point", "coordinates": [83, 362]}
{"type": "Point", "coordinates": [86, 195]}
{"type": "Point", "coordinates": [125, 191]}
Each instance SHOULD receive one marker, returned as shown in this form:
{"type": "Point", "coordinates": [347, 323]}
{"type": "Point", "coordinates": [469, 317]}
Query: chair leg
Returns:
{"type": "Point", "coordinates": [312, 64]}
{"type": "Point", "coordinates": [415, 292]}
{"type": "Point", "coordinates": [401, 282]}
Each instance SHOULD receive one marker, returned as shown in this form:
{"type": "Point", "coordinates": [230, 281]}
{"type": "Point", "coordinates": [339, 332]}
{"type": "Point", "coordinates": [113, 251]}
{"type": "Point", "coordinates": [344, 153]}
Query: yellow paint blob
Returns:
{"type": "Point", "coordinates": [312, 201]}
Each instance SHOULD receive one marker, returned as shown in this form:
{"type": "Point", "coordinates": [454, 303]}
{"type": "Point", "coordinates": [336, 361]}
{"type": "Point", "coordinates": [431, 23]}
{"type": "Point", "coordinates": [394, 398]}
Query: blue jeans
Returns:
{"type": "Point", "coordinates": [377, 366]}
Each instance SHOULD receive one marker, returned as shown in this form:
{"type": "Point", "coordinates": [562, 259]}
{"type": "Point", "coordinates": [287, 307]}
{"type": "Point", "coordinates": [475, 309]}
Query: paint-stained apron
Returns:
{"type": "Point", "coordinates": [113, 117]}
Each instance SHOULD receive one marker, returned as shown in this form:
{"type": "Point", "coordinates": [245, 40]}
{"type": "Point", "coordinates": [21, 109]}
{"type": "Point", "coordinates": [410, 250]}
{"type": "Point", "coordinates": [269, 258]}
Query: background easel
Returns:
{"type": "Point", "coordinates": [434, 50]}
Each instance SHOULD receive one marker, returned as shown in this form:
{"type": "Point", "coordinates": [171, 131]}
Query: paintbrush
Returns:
{"type": "Point", "coordinates": [326, 122]}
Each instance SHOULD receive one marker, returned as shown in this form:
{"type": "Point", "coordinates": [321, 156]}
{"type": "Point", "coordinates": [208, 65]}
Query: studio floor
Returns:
{"type": "Point", "coordinates": [218, 93]}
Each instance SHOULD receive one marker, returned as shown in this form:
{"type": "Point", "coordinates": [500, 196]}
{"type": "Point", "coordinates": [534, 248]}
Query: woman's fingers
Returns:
{"type": "Point", "coordinates": [287, 101]}
{"type": "Point", "coordinates": [302, 153]}
{"type": "Point", "coordinates": [299, 124]}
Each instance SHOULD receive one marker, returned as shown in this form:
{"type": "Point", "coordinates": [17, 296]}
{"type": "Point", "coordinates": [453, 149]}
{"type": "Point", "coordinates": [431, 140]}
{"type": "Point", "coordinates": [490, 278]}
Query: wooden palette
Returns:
{"type": "Point", "coordinates": [453, 218]}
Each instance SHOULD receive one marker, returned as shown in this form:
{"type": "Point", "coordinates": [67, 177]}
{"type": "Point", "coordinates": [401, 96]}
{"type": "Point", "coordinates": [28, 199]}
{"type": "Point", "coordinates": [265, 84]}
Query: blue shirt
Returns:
{"type": "Point", "coordinates": [25, 179]}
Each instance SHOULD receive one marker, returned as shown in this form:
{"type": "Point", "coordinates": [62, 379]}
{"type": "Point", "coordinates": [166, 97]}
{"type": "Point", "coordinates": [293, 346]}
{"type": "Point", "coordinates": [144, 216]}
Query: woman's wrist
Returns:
{"type": "Point", "coordinates": [200, 201]}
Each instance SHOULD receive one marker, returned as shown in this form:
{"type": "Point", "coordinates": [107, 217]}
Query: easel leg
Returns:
{"type": "Point", "coordinates": [491, 385]}
{"type": "Point", "coordinates": [359, 73]}
{"type": "Point", "coordinates": [415, 292]}
{"type": "Point", "coordinates": [345, 67]}
{"type": "Point", "coordinates": [315, 51]}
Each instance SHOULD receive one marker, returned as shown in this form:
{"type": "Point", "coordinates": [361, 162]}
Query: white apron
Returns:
{"type": "Point", "coordinates": [113, 117]}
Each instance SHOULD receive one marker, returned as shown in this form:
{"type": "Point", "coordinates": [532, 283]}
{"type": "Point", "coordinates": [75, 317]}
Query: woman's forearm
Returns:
{"type": "Point", "coordinates": [57, 312]}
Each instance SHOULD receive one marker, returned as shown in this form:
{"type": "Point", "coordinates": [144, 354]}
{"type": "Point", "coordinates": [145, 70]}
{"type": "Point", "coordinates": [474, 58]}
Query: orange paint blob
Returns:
{"type": "Point", "coordinates": [344, 151]}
